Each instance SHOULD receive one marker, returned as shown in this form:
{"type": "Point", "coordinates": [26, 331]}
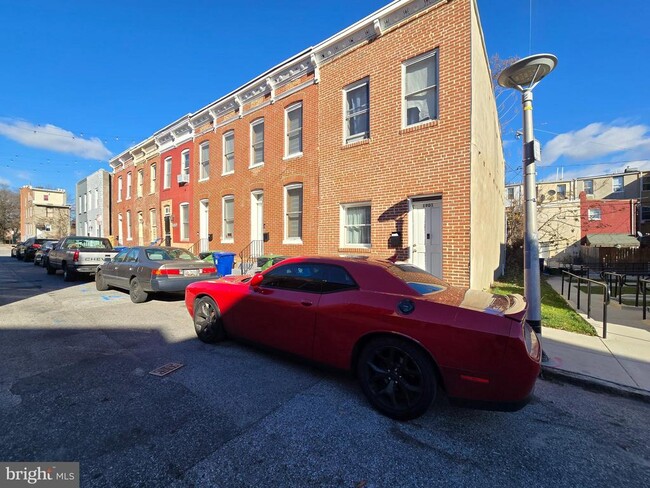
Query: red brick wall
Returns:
{"type": "Point", "coordinates": [617, 216]}
{"type": "Point", "coordinates": [177, 194]}
{"type": "Point", "coordinates": [396, 163]}
{"type": "Point", "coordinates": [271, 177]}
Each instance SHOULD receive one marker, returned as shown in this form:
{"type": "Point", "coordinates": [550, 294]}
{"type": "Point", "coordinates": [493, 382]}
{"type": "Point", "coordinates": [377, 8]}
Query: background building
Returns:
{"type": "Point", "coordinates": [94, 205]}
{"type": "Point", "coordinates": [44, 213]}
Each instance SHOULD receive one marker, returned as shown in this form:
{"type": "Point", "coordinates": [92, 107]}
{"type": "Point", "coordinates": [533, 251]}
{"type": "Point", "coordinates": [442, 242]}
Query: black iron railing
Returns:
{"type": "Point", "coordinates": [248, 256]}
{"type": "Point", "coordinates": [606, 296]}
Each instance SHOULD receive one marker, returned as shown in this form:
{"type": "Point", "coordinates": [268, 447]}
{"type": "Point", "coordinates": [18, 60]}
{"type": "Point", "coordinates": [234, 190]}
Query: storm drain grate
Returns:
{"type": "Point", "coordinates": [166, 369]}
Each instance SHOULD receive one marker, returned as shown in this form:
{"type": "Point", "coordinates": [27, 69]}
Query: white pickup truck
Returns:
{"type": "Point", "coordinates": [78, 254]}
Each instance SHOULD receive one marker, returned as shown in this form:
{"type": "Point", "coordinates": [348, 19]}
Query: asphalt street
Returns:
{"type": "Point", "coordinates": [75, 386]}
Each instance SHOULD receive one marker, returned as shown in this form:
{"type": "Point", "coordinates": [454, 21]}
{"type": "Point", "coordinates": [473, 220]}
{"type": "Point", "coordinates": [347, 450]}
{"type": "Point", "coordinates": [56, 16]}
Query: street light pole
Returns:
{"type": "Point", "coordinates": [523, 76]}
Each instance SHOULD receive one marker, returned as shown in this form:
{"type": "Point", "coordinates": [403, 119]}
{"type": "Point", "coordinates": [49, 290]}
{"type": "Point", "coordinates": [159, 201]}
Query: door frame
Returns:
{"type": "Point", "coordinates": [424, 198]}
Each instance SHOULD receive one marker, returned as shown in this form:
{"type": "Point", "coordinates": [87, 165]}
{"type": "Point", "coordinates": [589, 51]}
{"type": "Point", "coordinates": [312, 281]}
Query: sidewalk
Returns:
{"type": "Point", "coordinates": [619, 363]}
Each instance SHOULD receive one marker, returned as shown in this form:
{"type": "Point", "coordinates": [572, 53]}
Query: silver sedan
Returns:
{"type": "Point", "coordinates": [145, 270]}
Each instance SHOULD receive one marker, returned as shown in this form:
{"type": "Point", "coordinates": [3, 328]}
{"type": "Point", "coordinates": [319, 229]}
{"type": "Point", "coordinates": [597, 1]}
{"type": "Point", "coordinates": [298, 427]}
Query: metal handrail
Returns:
{"type": "Point", "coordinates": [618, 280]}
{"type": "Point", "coordinates": [643, 282]}
{"type": "Point", "coordinates": [606, 295]}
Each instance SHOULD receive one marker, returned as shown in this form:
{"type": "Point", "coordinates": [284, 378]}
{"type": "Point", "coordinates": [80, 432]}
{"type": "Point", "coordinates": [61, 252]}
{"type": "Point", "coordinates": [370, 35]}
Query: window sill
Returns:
{"type": "Point", "coordinates": [419, 126]}
{"type": "Point", "coordinates": [204, 179]}
{"type": "Point", "coordinates": [292, 156]}
{"type": "Point", "coordinates": [257, 165]}
{"type": "Point", "coordinates": [361, 142]}
{"type": "Point", "coordinates": [228, 173]}
{"type": "Point", "coordinates": [294, 242]}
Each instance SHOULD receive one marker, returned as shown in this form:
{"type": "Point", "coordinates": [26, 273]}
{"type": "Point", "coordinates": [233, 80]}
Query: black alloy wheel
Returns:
{"type": "Point", "coordinates": [397, 377]}
{"type": "Point", "coordinates": [207, 321]}
{"type": "Point", "coordinates": [137, 294]}
{"type": "Point", "coordinates": [68, 273]}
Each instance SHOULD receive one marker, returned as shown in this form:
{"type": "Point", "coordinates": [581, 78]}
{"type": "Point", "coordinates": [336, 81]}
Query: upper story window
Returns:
{"type": "Point", "coordinates": [257, 142]}
{"type": "Point", "coordinates": [184, 209]}
{"type": "Point", "coordinates": [594, 214]}
{"type": "Point", "coordinates": [293, 129]}
{"type": "Point", "coordinates": [561, 190]}
{"type": "Point", "coordinates": [645, 214]}
{"type": "Point", "coordinates": [617, 184]}
{"type": "Point", "coordinates": [357, 111]}
{"type": "Point", "coordinates": [588, 186]}
{"type": "Point", "coordinates": [293, 214]}
{"type": "Point", "coordinates": [204, 161]}
{"type": "Point", "coordinates": [167, 178]}
{"type": "Point", "coordinates": [81, 208]}
{"type": "Point", "coordinates": [355, 225]}
{"type": "Point", "coordinates": [185, 162]}
{"type": "Point", "coordinates": [119, 189]}
{"type": "Point", "coordinates": [140, 182]}
{"type": "Point", "coordinates": [128, 185]}
{"type": "Point", "coordinates": [96, 198]}
{"type": "Point", "coordinates": [511, 193]}
{"type": "Point", "coordinates": [646, 183]}
{"type": "Point", "coordinates": [152, 178]}
{"type": "Point", "coordinates": [229, 152]}
{"type": "Point", "coordinates": [153, 224]}
{"type": "Point", "coordinates": [420, 88]}
{"type": "Point", "coordinates": [228, 227]}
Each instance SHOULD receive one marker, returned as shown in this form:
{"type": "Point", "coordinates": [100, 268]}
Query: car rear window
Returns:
{"type": "Point", "coordinates": [419, 280]}
{"type": "Point", "coordinates": [87, 243]}
{"type": "Point", "coordinates": [169, 254]}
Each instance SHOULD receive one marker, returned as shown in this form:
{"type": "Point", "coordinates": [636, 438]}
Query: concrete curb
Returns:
{"type": "Point", "coordinates": [594, 384]}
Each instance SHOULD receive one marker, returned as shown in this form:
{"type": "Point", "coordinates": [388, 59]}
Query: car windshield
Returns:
{"type": "Point", "coordinates": [419, 280]}
{"type": "Point", "coordinates": [160, 254]}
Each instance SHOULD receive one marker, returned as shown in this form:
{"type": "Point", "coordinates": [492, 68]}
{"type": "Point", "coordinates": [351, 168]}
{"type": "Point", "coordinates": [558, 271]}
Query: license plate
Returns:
{"type": "Point", "coordinates": [190, 272]}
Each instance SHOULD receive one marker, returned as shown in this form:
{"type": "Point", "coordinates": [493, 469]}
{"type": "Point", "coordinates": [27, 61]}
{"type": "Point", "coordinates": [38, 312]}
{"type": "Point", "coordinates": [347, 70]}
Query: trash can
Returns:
{"type": "Point", "coordinates": [224, 262]}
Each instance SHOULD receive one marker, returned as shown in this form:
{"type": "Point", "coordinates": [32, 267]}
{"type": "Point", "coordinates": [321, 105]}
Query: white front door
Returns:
{"type": "Point", "coordinates": [257, 223]}
{"type": "Point", "coordinates": [140, 229]}
{"type": "Point", "coordinates": [426, 235]}
{"type": "Point", "coordinates": [204, 219]}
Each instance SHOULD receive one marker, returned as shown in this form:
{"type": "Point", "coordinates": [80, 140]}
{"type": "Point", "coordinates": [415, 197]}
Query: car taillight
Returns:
{"type": "Point", "coordinates": [165, 272]}
{"type": "Point", "coordinates": [208, 270]}
{"type": "Point", "coordinates": [531, 340]}
{"type": "Point", "coordinates": [36, 246]}
{"type": "Point", "coordinates": [75, 256]}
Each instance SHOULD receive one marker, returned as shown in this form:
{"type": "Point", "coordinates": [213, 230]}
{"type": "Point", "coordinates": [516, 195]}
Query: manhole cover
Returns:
{"type": "Point", "coordinates": [166, 369]}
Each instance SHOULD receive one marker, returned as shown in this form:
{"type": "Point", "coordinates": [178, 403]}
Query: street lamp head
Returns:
{"type": "Point", "coordinates": [527, 72]}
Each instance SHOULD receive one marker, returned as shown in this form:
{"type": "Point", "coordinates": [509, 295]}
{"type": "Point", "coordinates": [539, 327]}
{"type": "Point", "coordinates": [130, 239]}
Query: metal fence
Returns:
{"type": "Point", "coordinates": [571, 277]}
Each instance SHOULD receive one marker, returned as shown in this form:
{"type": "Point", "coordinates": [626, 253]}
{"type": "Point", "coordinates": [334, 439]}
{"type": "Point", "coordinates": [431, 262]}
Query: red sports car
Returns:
{"type": "Point", "coordinates": [401, 330]}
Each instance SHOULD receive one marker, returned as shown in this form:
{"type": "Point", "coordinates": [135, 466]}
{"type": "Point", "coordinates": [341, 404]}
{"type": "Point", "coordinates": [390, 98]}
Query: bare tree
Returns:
{"type": "Point", "coordinates": [9, 213]}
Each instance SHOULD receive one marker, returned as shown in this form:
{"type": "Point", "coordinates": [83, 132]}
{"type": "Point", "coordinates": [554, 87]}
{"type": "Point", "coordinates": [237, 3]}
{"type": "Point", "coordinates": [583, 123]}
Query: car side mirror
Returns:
{"type": "Point", "coordinates": [257, 279]}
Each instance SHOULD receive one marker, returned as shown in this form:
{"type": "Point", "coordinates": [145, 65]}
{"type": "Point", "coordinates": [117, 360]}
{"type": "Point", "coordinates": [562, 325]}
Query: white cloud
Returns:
{"type": "Point", "coordinates": [597, 141]}
{"type": "Point", "coordinates": [53, 138]}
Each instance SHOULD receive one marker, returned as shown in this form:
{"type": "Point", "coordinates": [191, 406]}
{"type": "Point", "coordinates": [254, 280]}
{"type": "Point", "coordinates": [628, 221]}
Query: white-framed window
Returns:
{"type": "Point", "coordinates": [185, 162]}
{"type": "Point", "coordinates": [561, 190]}
{"type": "Point", "coordinates": [81, 207]}
{"type": "Point", "coordinates": [645, 214]}
{"type": "Point", "coordinates": [153, 224]}
{"type": "Point", "coordinates": [228, 152]}
{"type": "Point", "coordinates": [228, 216]}
{"type": "Point", "coordinates": [420, 89]}
{"type": "Point", "coordinates": [129, 235]}
{"type": "Point", "coordinates": [128, 185]}
{"type": "Point", "coordinates": [617, 184]}
{"type": "Point", "coordinates": [293, 214]}
{"type": "Point", "coordinates": [96, 198]}
{"type": "Point", "coordinates": [119, 188]}
{"type": "Point", "coordinates": [355, 225]}
{"type": "Point", "coordinates": [204, 161]}
{"type": "Point", "coordinates": [356, 111]}
{"type": "Point", "coordinates": [594, 214]}
{"type": "Point", "coordinates": [120, 229]}
{"type": "Point", "coordinates": [257, 142]}
{"type": "Point", "coordinates": [140, 182]}
{"type": "Point", "coordinates": [511, 193]}
{"type": "Point", "coordinates": [89, 200]}
{"type": "Point", "coordinates": [293, 130]}
{"type": "Point", "coordinates": [588, 186]}
{"type": "Point", "coordinates": [152, 177]}
{"type": "Point", "coordinates": [167, 177]}
{"type": "Point", "coordinates": [184, 212]}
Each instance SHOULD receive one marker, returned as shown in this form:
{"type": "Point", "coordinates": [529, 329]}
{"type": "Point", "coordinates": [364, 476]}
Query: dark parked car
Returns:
{"type": "Point", "coordinates": [41, 256]}
{"type": "Point", "coordinates": [145, 270]}
{"type": "Point", "coordinates": [403, 331]}
{"type": "Point", "coordinates": [32, 245]}
{"type": "Point", "coordinates": [20, 250]}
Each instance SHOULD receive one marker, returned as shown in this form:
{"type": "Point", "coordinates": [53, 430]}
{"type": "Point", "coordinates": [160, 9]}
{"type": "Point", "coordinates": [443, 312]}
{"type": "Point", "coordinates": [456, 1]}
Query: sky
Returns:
{"type": "Point", "coordinates": [81, 81]}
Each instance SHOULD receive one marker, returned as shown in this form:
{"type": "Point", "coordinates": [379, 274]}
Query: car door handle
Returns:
{"type": "Point", "coordinates": [306, 303]}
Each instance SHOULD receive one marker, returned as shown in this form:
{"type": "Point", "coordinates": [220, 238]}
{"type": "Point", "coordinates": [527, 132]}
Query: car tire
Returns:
{"type": "Point", "coordinates": [25, 258]}
{"type": "Point", "coordinates": [35, 263]}
{"type": "Point", "coordinates": [68, 273]}
{"type": "Point", "coordinates": [397, 377]}
{"type": "Point", "coordinates": [100, 282]}
{"type": "Point", "coordinates": [137, 294]}
{"type": "Point", "coordinates": [50, 269]}
{"type": "Point", "coordinates": [207, 321]}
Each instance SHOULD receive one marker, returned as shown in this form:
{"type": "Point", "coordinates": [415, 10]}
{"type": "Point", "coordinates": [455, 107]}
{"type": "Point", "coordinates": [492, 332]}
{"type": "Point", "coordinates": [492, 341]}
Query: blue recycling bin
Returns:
{"type": "Point", "coordinates": [223, 262]}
